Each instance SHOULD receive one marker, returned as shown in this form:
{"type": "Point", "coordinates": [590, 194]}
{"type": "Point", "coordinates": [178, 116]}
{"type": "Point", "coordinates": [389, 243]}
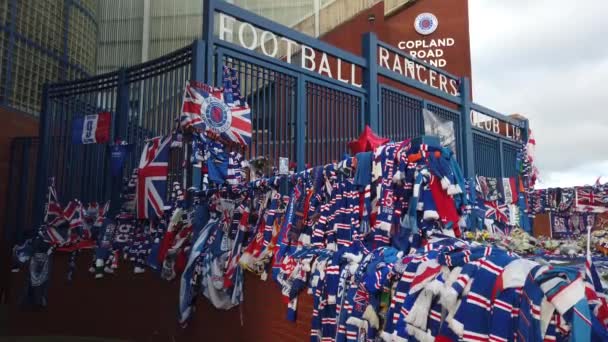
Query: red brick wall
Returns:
{"type": "Point", "coordinates": [14, 124]}
{"type": "Point", "coordinates": [399, 26]}
{"type": "Point", "coordinates": [453, 18]}
{"type": "Point", "coordinates": [145, 308]}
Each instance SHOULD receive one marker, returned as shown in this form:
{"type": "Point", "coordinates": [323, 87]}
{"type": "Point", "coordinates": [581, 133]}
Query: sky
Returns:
{"type": "Point", "coordinates": [548, 60]}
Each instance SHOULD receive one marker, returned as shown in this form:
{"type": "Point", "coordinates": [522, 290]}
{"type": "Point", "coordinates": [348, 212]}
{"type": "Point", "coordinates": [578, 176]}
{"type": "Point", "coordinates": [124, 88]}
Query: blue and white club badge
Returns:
{"type": "Point", "coordinates": [217, 115]}
{"type": "Point", "coordinates": [426, 23]}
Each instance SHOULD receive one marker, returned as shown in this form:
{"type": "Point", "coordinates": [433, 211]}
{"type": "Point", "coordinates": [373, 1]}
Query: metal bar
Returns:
{"type": "Point", "coordinates": [370, 79]}
{"type": "Point", "coordinates": [300, 122]}
{"type": "Point", "coordinates": [465, 123]}
{"type": "Point", "coordinates": [526, 131]}
{"type": "Point", "coordinates": [267, 111]}
{"type": "Point", "coordinates": [501, 159]}
{"type": "Point", "coordinates": [167, 110]}
{"type": "Point", "coordinates": [208, 26]}
{"type": "Point", "coordinates": [21, 198]}
{"type": "Point", "coordinates": [280, 111]}
{"type": "Point", "coordinates": [219, 68]}
{"type": "Point", "coordinates": [8, 81]}
{"type": "Point", "coordinates": [8, 234]}
{"type": "Point", "coordinates": [284, 31]}
{"type": "Point", "coordinates": [85, 11]}
{"type": "Point", "coordinates": [197, 73]}
{"type": "Point", "coordinates": [66, 31]}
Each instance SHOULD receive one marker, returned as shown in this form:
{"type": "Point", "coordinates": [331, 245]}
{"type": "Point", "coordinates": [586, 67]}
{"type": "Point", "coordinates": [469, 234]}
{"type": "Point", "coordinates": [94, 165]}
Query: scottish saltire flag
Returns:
{"type": "Point", "coordinates": [152, 178]}
{"type": "Point", "coordinates": [220, 111]}
{"type": "Point", "coordinates": [92, 129]}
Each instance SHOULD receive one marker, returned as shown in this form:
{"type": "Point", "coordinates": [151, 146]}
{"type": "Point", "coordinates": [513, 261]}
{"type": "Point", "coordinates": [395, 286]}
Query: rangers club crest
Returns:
{"type": "Point", "coordinates": [426, 23]}
{"type": "Point", "coordinates": [217, 115]}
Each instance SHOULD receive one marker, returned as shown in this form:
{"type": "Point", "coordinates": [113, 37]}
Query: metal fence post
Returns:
{"type": "Point", "coordinates": [467, 128]}
{"type": "Point", "coordinates": [121, 121]}
{"type": "Point", "coordinates": [301, 123]}
{"type": "Point", "coordinates": [43, 152]}
{"type": "Point", "coordinates": [8, 232]}
{"type": "Point", "coordinates": [22, 196]}
{"type": "Point", "coordinates": [197, 68]}
{"type": "Point", "coordinates": [526, 131]}
{"type": "Point", "coordinates": [370, 80]}
{"type": "Point", "coordinates": [208, 26]}
{"type": "Point", "coordinates": [501, 162]}
{"type": "Point", "coordinates": [197, 73]}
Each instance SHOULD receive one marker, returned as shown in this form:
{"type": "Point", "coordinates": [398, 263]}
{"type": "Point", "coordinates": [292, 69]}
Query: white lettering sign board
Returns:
{"type": "Point", "coordinates": [270, 44]}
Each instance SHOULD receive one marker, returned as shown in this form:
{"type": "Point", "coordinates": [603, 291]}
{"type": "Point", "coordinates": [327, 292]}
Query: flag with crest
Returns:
{"type": "Point", "coordinates": [220, 112]}
{"type": "Point", "coordinates": [152, 178]}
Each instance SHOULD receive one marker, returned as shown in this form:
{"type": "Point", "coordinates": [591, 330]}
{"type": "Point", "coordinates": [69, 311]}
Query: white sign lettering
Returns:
{"type": "Point", "coordinates": [271, 45]}
{"type": "Point", "coordinates": [431, 51]}
{"type": "Point", "coordinates": [493, 125]}
{"type": "Point", "coordinates": [419, 72]}
{"type": "Point", "coordinates": [250, 38]}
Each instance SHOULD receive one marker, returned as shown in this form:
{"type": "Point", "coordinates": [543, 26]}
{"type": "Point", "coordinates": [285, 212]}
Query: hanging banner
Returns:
{"type": "Point", "coordinates": [570, 225]}
{"type": "Point", "coordinates": [444, 129]}
{"type": "Point", "coordinates": [559, 226]}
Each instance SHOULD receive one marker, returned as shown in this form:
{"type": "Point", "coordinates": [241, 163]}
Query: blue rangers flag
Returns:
{"type": "Point", "coordinates": [152, 178]}
{"type": "Point", "coordinates": [92, 129]}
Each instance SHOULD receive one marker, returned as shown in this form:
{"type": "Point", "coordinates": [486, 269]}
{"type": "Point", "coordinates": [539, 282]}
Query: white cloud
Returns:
{"type": "Point", "coordinates": [548, 61]}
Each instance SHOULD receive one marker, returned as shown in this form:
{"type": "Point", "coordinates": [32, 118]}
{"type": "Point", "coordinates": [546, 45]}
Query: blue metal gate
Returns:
{"type": "Point", "coordinates": [297, 112]}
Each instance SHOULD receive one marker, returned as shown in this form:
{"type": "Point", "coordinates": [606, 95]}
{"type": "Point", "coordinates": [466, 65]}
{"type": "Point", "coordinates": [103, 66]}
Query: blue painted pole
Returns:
{"type": "Point", "coordinates": [467, 128]}
{"type": "Point", "coordinates": [121, 121]}
{"type": "Point", "coordinates": [8, 232]}
{"type": "Point", "coordinates": [370, 80]}
{"type": "Point", "coordinates": [67, 6]}
{"type": "Point", "coordinates": [301, 111]}
{"type": "Point", "coordinates": [502, 159]}
{"type": "Point", "coordinates": [8, 80]}
{"type": "Point", "coordinates": [208, 26]}
{"type": "Point", "coordinates": [43, 152]}
{"type": "Point", "coordinates": [526, 131]}
{"type": "Point", "coordinates": [197, 73]}
{"type": "Point", "coordinates": [22, 196]}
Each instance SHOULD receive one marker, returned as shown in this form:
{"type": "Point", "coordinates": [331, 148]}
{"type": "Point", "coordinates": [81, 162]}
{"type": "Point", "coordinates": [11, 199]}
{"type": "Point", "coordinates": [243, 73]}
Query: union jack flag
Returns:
{"type": "Point", "coordinates": [55, 229]}
{"type": "Point", "coordinates": [54, 212]}
{"type": "Point", "coordinates": [590, 199]}
{"type": "Point", "coordinates": [152, 178]}
{"type": "Point", "coordinates": [73, 214]}
{"type": "Point", "coordinates": [101, 214]}
{"type": "Point", "coordinates": [498, 212]}
{"type": "Point", "coordinates": [195, 95]}
{"type": "Point", "coordinates": [594, 291]}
